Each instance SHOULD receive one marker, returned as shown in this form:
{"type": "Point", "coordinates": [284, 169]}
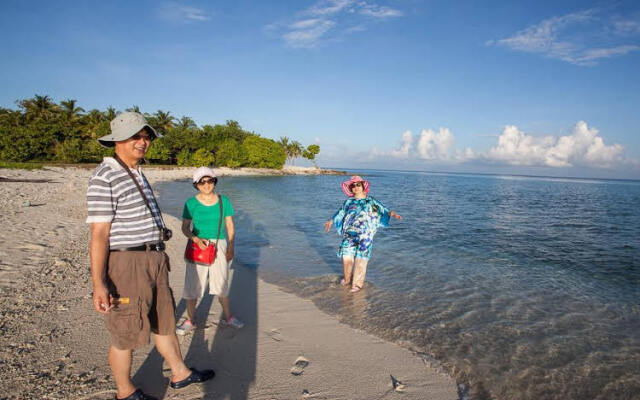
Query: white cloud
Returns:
{"type": "Point", "coordinates": [356, 28]}
{"type": "Point", "coordinates": [405, 146]}
{"type": "Point", "coordinates": [330, 19]}
{"type": "Point", "coordinates": [465, 155]}
{"type": "Point", "coordinates": [373, 154]}
{"type": "Point", "coordinates": [375, 11]}
{"type": "Point", "coordinates": [435, 145]}
{"type": "Point", "coordinates": [579, 38]}
{"type": "Point", "coordinates": [430, 145]}
{"type": "Point", "coordinates": [607, 52]}
{"type": "Point", "coordinates": [516, 148]}
{"type": "Point", "coordinates": [176, 12]}
{"type": "Point", "coordinates": [543, 36]}
{"type": "Point", "coordinates": [329, 7]}
{"type": "Point", "coordinates": [309, 35]}
{"type": "Point", "coordinates": [306, 23]}
{"type": "Point", "coordinates": [583, 147]}
{"type": "Point", "coordinates": [629, 25]}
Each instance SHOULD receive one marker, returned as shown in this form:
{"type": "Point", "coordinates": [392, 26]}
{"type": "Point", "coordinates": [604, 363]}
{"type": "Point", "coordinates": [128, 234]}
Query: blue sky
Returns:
{"type": "Point", "coordinates": [548, 88]}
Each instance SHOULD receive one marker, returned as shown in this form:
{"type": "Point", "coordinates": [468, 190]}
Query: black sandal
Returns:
{"type": "Point", "coordinates": [195, 377]}
{"type": "Point", "coordinates": [137, 395]}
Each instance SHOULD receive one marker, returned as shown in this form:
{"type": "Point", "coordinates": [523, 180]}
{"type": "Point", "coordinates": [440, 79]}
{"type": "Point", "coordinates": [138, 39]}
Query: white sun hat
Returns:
{"type": "Point", "coordinates": [202, 172]}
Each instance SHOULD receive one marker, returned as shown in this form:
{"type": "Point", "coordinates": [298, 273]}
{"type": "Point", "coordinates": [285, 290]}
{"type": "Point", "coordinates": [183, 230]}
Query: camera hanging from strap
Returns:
{"type": "Point", "coordinates": [165, 233]}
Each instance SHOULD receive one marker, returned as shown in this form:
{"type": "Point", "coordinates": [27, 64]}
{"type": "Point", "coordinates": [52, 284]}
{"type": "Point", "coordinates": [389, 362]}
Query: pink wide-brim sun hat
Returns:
{"type": "Point", "coordinates": [356, 178]}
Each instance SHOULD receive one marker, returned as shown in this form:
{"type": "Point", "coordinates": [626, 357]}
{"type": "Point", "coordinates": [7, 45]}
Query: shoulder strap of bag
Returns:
{"type": "Point", "coordinates": [219, 222]}
{"type": "Point", "coordinates": [144, 197]}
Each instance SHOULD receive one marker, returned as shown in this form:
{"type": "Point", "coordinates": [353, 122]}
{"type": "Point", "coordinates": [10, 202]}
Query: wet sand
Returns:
{"type": "Point", "coordinates": [53, 345]}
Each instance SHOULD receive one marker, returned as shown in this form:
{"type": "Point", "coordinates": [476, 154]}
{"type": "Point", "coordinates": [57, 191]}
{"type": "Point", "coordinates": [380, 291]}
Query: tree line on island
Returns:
{"type": "Point", "coordinates": [42, 130]}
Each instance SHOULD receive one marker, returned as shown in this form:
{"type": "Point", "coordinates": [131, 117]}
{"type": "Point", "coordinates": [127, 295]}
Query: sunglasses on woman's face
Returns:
{"type": "Point", "coordinates": [212, 181]}
{"type": "Point", "coordinates": [357, 184]}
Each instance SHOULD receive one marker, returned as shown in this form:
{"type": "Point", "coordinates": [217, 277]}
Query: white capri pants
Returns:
{"type": "Point", "coordinates": [195, 278]}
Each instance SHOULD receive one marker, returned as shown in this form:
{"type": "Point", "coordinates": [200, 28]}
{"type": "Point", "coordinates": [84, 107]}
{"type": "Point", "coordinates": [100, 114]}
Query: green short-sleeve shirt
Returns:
{"type": "Point", "coordinates": [205, 218]}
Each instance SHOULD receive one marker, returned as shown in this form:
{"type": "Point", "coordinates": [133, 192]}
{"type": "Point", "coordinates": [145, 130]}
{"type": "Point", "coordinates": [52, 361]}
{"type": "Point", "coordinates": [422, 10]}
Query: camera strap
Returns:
{"type": "Point", "coordinates": [144, 197]}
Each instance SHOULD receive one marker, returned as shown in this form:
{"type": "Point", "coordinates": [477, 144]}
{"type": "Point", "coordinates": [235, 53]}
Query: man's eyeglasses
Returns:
{"type": "Point", "coordinates": [212, 181]}
{"type": "Point", "coordinates": [144, 137]}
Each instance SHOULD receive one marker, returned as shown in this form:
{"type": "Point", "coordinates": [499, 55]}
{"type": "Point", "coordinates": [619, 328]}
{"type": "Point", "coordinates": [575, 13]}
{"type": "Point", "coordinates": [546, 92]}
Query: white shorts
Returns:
{"type": "Point", "coordinates": [195, 278]}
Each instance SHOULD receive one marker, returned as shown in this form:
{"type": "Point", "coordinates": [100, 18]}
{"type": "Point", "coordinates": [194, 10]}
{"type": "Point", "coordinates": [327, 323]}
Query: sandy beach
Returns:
{"type": "Point", "coordinates": [53, 345]}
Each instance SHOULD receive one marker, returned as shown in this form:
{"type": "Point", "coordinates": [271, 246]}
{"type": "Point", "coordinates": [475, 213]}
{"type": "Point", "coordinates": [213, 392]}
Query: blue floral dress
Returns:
{"type": "Point", "coordinates": [358, 221]}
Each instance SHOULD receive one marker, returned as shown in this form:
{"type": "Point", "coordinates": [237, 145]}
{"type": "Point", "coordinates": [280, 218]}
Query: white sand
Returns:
{"type": "Point", "coordinates": [54, 345]}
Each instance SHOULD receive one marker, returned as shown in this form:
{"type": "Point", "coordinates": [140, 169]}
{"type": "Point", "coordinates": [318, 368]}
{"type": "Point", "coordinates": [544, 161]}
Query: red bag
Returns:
{"type": "Point", "coordinates": [195, 254]}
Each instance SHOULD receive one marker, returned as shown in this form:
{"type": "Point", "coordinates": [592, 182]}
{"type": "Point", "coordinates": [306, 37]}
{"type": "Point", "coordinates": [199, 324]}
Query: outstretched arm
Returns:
{"type": "Point", "coordinates": [327, 225]}
{"type": "Point", "coordinates": [336, 218]}
{"type": "Point", "coordinates": [385, 212]}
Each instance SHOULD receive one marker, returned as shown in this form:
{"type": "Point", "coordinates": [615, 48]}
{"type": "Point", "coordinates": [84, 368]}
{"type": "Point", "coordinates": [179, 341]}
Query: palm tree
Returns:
{"type": "Point", "coordinates": [92, 120]}
{"type": "Point", "coordinates": [164, 120]}
{"type": "Point", "coordinates": [295, 149]}
{"type": "Point", "coordinates": [95, 116]}
{"type": "Point", "coordinates": [70, 110]}
{"type": "Point", "coordinates": [38, 107]}
{"type": "Point", "coordinates": [44, 105]}
{"type": "Point", "coordinates": [187, 123]}
{"type": "Point", "coordinates": [111, 113]}
{"type": "Point", "coordinates": [284, 143]}
{"type": "Point", "coordinates": [134, 108]}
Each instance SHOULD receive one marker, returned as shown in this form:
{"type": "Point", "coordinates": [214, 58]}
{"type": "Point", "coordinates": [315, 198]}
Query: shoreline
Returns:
{"type": "Point", "coordinates": [223, 171]}
{"type": "Point", "coordinates": [54, 344]}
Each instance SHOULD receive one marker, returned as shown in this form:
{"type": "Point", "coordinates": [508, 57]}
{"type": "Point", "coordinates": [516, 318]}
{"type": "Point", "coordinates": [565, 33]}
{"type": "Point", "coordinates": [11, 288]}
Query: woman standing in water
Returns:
{"type": "Point", "coordinates": [358, 221]}
{"type": "Point", "coordinates": [201, 224]}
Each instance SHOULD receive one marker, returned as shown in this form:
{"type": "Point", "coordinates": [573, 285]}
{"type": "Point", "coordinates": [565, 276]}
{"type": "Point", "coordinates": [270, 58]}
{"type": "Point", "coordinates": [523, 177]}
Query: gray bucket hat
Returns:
{"type": "Point", "coordinates": [125, 125]}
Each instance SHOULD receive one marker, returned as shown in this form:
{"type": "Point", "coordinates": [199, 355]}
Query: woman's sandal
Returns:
{"type": "Point", "coordinates": [355, 289]}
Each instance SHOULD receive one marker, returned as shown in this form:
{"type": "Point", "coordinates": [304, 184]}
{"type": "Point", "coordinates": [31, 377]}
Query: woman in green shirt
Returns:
{"type": "Point", "coordinates": [201, 223]}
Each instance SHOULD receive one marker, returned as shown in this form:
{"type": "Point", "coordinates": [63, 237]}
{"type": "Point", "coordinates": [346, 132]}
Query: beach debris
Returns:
{"type": "Point", "coordinates": [305, 393]}
{"type": "Point", "coordinates": [61, 262]}
{"type": "Point", "coordinates": [27, 204]}
{"type": "Point", "coordinates": [274, 334]}
{"type": "Point", "coordinates": [397, 385]}
{"type": "Point", "coordinates": [299, 365]}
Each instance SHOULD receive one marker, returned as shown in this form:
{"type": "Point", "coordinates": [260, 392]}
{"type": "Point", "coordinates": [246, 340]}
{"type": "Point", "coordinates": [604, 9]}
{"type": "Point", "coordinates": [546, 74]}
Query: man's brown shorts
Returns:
{"type": "Point", "coordinates": [143, 278]}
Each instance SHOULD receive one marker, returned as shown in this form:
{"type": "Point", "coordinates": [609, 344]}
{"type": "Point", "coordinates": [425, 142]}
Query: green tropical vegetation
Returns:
{"type": "Point", "coordinates": [20, 165]}
{"type": "Point", "coordinates": [294, 149]}
{"type": "Point", "coordinates": [41, 130]}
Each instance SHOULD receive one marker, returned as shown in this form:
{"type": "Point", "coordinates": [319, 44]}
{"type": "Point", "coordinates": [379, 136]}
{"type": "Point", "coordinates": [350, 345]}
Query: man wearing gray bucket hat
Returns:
{"type": "Point", "coordinates": [125, 125]}
{"type": "Point", "coordinates": [129, 268]}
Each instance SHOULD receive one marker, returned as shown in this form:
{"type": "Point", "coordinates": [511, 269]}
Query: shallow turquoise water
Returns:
{"type": "Point", "coordinates": [523, 287]}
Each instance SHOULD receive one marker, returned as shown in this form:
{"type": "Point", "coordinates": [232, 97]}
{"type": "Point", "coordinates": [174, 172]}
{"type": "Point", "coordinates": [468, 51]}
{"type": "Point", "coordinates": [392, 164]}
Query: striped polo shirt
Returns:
{"type": "Point", "coordinates": [113, 197]}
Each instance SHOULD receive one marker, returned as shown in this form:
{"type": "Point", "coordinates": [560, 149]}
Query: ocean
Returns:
{"type": "Point", "coordinates": [519, 287]}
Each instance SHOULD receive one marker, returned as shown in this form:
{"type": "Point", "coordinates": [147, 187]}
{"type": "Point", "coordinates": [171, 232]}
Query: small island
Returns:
{"type": "Point", "coordinates": [42, 131]}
